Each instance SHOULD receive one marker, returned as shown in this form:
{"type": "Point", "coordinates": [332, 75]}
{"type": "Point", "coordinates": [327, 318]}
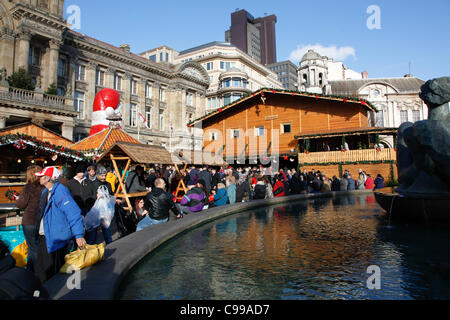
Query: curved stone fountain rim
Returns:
{"type": "Point", "coordinates": [101, 281]}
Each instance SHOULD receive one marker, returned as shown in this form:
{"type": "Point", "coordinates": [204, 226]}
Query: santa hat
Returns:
{"type": "Point", "coordinates": [106, 103]}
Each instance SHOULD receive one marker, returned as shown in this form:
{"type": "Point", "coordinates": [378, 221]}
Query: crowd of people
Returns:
{"type": "Point", "coordinates": [54, 208]}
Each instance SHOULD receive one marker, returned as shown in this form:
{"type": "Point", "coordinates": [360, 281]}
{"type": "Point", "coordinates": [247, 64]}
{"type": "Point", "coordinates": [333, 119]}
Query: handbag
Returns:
{"type": "Point", "coordinates": [83, 258]}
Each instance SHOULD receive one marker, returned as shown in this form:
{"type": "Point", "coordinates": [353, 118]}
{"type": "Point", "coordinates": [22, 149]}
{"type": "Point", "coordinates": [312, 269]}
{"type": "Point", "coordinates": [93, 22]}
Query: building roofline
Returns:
{"type": "Point", "coordinates": [263, 91]}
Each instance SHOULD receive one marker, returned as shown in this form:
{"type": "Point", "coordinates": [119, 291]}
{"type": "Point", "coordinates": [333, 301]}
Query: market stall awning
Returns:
{"type": "Point", "coordinates": [139, 153]}
{"type": "Point", "coordinates": [35, 130]}
{"type": "Point", "coordinates": [104, 140]}
{"type": "Point", "coordinates": [23, 143]}
{"type": "Point", "coordinates": [347, 132]}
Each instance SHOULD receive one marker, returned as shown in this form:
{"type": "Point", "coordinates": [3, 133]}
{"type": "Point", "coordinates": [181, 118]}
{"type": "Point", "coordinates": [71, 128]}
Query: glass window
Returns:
{"type": "Point", "coordinates": [133, 115]}
{"type": "Point", "coordinates": [100, 79]}
{"type": "Point", "coordinates": [226, 99]}
{"type": "Point", "coordinates": [286, 128]}
{"type": "Point", "coordinates": [403, 116]}
{"type": "Point", "coordinates": [62, 67]}
{"type": "Point", "coordinates": [235, 97]}
{"type": "Point", "coordinates": [379, 119]}
{"type": "Point", "coordinates": [259, 131]}
{"type": "Point", "coordinates": [189, 99]}
{"type": "Point", "coordinates": [235, 133]}
{"type": "Point", "coordinates": [213, 136]}
{"type": "Point", "coordinates": [79, 104]}
{"type": "Point", "coordinates": [161, 122]}
{"type": "Point", "coordinates": [416, 115]}
{"type": "Point", "coordinates": [167, 56]}
{"type": "Point", "coordinates": [134, 87]}
{"type": "Point", "coordinates": [160, 56]}
{"type": "Point", "coordinates": [236, 82]}
{"type": "Point", "coordinates": [222, 65]}
{"type": "Point", "coordinates": [34, 56]}
{"type": "Point", "coordinates": [148, 91]}
{"type": "Point", "coordinates": [152, 58]}
{"type": "Point", "coordinates": [80, 72]}
{"type": "Point", "coordinates": [227, 82]}
{"type": "Point", "coordinates": [162, 95]}
{"type": "Point", "coordinates": [118, 82]}
{"type": "Point", "coordinates": [148, 119]}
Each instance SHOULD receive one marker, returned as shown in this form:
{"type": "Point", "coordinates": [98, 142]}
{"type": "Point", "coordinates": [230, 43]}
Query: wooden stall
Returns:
{"type": "Point", "coordinates": [27, 144]}
{"type": "Point", "coordinates": [123, 155]}
{"type": "Point", "coordinates": [267, 122]}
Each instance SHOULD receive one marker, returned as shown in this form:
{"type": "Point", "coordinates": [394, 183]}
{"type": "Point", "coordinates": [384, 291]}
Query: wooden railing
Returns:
{"type": "Point", "coordinates": [348, 156]}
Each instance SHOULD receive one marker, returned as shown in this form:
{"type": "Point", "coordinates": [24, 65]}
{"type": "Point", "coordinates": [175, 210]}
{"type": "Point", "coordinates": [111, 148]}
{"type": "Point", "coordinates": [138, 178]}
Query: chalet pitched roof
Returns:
{"type": "Point", "coordinates": [26, 126]}
{"type": "Point", "coordinates": [139, 153]}
{"type": "Point", "coordinates": [104, 140]}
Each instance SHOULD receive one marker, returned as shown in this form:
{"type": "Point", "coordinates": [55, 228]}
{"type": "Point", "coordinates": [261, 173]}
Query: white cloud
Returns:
{"type": "Point", "coordinates": [338, 54]}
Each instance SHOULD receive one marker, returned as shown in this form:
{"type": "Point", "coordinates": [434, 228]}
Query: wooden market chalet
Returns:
{"type": "Point", "coordinates": [300, 130]}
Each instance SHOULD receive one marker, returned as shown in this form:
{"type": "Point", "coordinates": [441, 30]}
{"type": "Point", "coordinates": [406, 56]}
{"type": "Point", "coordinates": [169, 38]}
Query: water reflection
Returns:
{"type": "Point", "coordinates": [317, 249]}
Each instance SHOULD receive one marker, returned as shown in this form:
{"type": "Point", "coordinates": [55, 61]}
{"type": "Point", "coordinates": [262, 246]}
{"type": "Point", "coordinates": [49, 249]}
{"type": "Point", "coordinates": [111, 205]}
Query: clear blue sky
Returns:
{"type": "Point", "coordinates": [411, 31]}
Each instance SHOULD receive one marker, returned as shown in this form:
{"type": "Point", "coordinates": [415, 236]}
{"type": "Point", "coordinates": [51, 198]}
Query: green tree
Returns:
{"type": "Point", "coordinates": [21, 79]}
{"type": "Point", "coordinates": [52, 89]}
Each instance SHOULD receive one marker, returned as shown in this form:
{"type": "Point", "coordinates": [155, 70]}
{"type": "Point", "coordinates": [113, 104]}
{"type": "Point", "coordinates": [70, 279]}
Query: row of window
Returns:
{"type": "Point", "coordinates": [80, 75]}
{"type": "Point", "coordinates": [404, 117]}
{"type": "Point", "coordinates": [161, 57]}
{"type": "Point", "coordinates": [79, 104]}
{"type": "Point", "coordinates": [135, 116]}
{"type": "Point", "coordinates": [233, 82]}
{"type": "Point", "coordinates": [223, 65]}
{"type": "Point", "coordinates": [259, 132]}
{"type": "Point", "coordinates": [217, 102]}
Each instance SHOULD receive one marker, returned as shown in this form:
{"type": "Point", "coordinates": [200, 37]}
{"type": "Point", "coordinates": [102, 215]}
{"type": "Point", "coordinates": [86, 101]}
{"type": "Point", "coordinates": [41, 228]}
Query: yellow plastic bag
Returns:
{"type": "Point", "coordinates": [20, 254]}
{"type": "Point", "coordinates": [81, 259]}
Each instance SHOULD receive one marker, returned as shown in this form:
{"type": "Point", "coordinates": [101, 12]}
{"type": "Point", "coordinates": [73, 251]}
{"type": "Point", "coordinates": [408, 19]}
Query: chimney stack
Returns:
{"type": "Point", "coordinates": [365, 74]}
{"type": "Point", "coordinates": [125, 47]}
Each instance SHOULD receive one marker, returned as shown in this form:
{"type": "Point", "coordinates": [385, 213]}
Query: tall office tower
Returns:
{"type": "Point", "coordinates": [256, 37]}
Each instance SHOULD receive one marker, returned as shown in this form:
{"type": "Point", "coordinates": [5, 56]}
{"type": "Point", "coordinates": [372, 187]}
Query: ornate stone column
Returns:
{"type": "Point", "coordinates": [91, 89]}
{"type": "Point", "coordinates": [109, 78]}
{"type": "Point", "coordinates": [24, 49]}
{"type": "Point", "coordinates": [7, 50]}
{"type": "Point", "coordinates": [52, 67]}
{"type": "Point", "coordinates": [126, 98]}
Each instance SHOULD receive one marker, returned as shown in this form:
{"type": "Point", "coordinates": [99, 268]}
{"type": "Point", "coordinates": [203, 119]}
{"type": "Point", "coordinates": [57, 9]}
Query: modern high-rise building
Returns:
{"type": "Point", "coordinates": [256, 37]}
{"type": "Point", "coordinates": [287, 74]}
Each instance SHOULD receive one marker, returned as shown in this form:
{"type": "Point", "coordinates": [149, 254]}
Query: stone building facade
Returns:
{"type": "Point", "coordinates": [232, 73]}
{"type": "Point", "coordinates": [396, 99]}
{"type": "Point", "coordinates": [34, 36]}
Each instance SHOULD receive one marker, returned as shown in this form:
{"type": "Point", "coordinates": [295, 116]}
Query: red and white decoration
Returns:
{"type": "Point", "coordinates": [142, 118]}
{"type": "Point", "coordinates": [106, 103]}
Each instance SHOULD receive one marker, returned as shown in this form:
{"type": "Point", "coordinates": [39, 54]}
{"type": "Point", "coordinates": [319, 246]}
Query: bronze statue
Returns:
{"type": "Point", "coordinates": [423, 149]}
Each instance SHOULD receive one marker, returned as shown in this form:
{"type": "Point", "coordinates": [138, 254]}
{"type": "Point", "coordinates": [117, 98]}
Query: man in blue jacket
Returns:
{"type": "Point", "coordinates": [59, 221]}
